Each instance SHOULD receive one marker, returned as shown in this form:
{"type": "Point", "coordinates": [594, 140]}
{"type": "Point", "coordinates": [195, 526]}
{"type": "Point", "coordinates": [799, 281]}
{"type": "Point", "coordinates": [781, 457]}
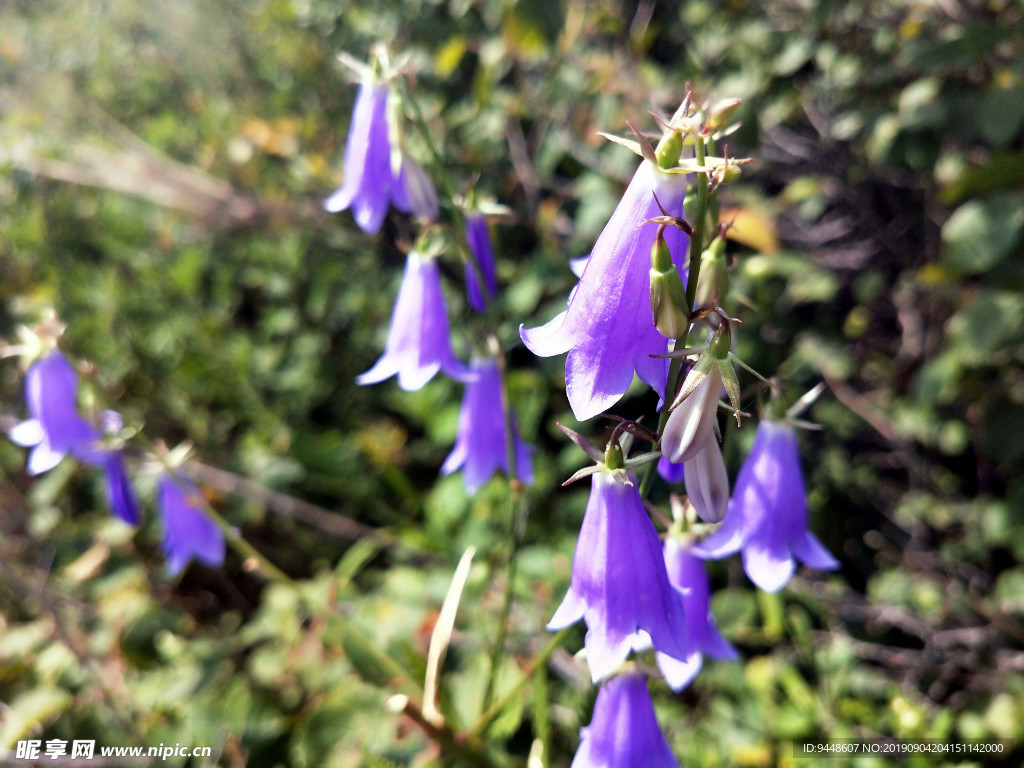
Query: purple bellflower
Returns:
{"type": "Point", "coordinates": [481, 446]}
{"type": "Point", "coordinates": [373, 179]}
{"type": "Point", "coordinates": [688, 576]}
{"type": "Point", "coordinates": [482, 282]}
{"type": "Point", "coordinates": [188, 531]}
{"type": "Point", "coordinates": [623, 732]}
{"type": "Point", "coordinates": [418, 345]}
{"type": "Point", "coordinates": [366, 187]}
{"type": "Point", "coordinates": [54, 427]}
{"type": "Point", "coordinates": [607, 329]}
{"type": "Point", "coordinates": [767, 517]}
{"type": "Point", "coordinates": [619, 584]}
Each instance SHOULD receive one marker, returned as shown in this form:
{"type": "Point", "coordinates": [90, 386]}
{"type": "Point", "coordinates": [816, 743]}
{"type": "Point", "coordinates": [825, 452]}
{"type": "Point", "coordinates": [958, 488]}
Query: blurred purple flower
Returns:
{"type": "Point", "coordinates": [481, 448]}
{"type": "Point", "coordinates": [418, 345]}
{"type": "Point", "coordinates": [767, 517]}
{"type": "Point", "coordinates": [54, 427]}
{"type": "Point", "coordinates": [366, 186]}
{"type": "Point", "coordinates": [688, 576]}
{"type": "Point", "coordinates": [482, 282]}
{"type": "Point", "coordinates": [607, 330]}
{"type": "Point", "coordinates": [623, 731]}
{"type": "Point", "coordinates": [619, 585]}
{"type": "Point", "coordinates": [188, 531]}
{"type": "Point", "coordinates": [371, 182]}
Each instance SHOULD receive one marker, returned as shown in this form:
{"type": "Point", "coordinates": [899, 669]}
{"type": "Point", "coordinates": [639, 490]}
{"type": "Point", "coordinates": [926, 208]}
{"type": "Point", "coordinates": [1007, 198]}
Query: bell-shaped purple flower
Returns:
{"type": "Point", "coordinates": [624, 731]}
{"type": "Point", "coordinates": [54, 427]}
{"type": "Point", "coordinates": [481, 282]}
{"type": "Point", "coordinates": [607, 330]}
{"type": "Point", "coordinates": [481, 446]}
{"type": "Point", "coordinates": [366, 187]}
{"type": "Point", "coordinates": [688, 576]}
{"type": "Point", "coordinates": [418, 345]}
{"type": "Point", "coordinates": [767, 517]}
{"type": "Point", "coordinates": [619, 585]}
{"type": "Point", "coordinates": [188, 531]}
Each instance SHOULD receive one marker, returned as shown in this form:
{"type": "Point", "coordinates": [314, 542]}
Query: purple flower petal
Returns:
{"type": "Point", "coordinates": [188, 532]}
{"type": "Point", "coordinates": [767, 516]}
{"type": "Point", "coordinates": [479, 240]}
{"type": "Point", "coordinates": [366, 187]}
{"type": "Point", "coordinates": [670, 471]}
{"type": "Point", "coordinates": [413, 191]}
{"type": "Point", "coordinates": [623, 732]}
{"type": "Point", "coordinates": [418, 345]}
{"type": "Point", "coordinates": [619, 584]}
{"type": "Point", "coordinates": [607, 330]}
{"type": "Point", "coordinates": [480, 448]}
{"type": "Point", "coordinates": [119, 488]}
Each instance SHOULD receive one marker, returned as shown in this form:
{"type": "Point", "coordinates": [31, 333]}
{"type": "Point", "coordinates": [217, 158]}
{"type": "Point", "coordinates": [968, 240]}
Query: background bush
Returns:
{"type": "Point", "coordinates": [161, 168]}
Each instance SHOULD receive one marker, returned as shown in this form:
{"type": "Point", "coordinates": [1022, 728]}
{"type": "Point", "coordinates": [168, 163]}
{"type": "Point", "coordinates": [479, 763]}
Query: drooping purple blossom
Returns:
{"type": "Point", "coordinates": [481, 282]}
{"type": "Point", "coordinates": [767, 517]}
{"type": "Point", "coordinates": [688, 576]}
{"type": "Point", "coordinates": [619, 585]}
{"type": "Point", "coordinates": [607, 329]}
{"type": "Point", "coordinates": [54, 427]}
{"type": "Point", "coordinates": [481, 445]}
{"type": "Point", "coordinates": [623, 731]}
{"type": "Point", "coordinates": [373, 179]}
{"type": "Point", "coordinates": [418, 345]}
{"type": "Point", "coordinates": [366, 187]}
{"type": "Point", "coordinates": [188, 531]}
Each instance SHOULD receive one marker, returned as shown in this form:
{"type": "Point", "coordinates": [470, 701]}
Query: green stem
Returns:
{"type": "Point", "coordinates": [696, 253]}
{"type": "Point", "coordinates": [518, 514]}
{"type": "Point", "coordinates": [496, 708]}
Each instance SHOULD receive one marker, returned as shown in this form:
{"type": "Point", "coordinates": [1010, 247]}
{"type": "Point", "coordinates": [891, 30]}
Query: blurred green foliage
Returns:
{"type": "Point", "coordinates": [161, 167]}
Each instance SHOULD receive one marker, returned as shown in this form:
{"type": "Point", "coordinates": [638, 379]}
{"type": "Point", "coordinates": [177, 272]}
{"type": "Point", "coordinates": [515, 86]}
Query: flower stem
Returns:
{"type": "Point", "coordinates": [519, 511]}
{"type": "Point", "coordinates": [696, 252]}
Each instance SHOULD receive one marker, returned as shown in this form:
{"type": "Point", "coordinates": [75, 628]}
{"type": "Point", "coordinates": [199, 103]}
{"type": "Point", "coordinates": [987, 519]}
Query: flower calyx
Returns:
{"type": "Point", "coordinates": [716, 358]}
{"type": "Point", "coordinates": [613, 460]}
{"type": "Point", "coordinates": [669, 311]}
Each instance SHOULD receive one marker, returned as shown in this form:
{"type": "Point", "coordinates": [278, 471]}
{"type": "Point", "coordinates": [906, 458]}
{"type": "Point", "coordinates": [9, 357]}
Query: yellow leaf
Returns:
{"type": "Point", "coordinates": [752, 228]}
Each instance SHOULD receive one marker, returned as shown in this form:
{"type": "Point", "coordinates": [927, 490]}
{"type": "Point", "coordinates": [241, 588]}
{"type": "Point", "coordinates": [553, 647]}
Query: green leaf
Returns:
{"type": "Point", "coordinates": [981, 233]}
{"type": "Point", "coordinates": [30, 710]}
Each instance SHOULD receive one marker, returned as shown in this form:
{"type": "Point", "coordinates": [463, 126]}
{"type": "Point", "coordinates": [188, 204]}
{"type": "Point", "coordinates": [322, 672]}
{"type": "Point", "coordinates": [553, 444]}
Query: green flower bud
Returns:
{"type": "Point", "coordinates": [613, 458]}
{"type": "Point", "coordinates": [668, 296]}
{"type": "Point", "coordinates": [670, 148]}
{"type": "Point", "coordinates": [721, 112]}
{"type": "Point", "coordinates": [714, 274]}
